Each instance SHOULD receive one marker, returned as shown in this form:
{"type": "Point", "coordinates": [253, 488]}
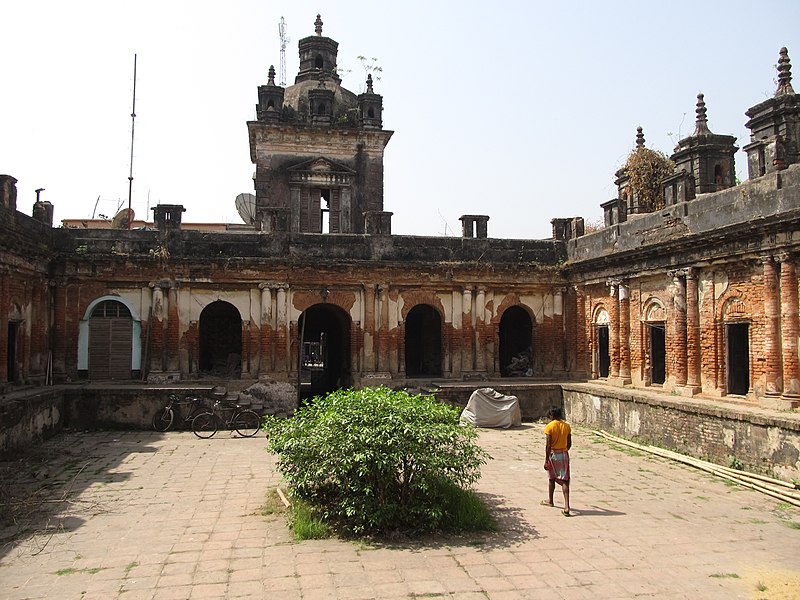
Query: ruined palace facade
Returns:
{"type": "Point", "coordinates": [695, 295]}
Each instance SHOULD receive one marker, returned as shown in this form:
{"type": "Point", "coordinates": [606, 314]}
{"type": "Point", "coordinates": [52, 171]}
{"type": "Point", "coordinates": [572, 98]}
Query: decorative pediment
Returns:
{"type": "Point", "coordinates": [321, 172]}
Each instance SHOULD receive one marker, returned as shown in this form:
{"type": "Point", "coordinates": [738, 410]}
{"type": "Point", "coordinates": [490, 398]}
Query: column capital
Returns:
{"type": "Point", "coordinates": [676, 274]}
{"type": "Point", "coordinates": [785, 257]}
{"type": "Point", "coordinates": [691, 272]}
{"type": "Point", "coordinates": [766, 259]}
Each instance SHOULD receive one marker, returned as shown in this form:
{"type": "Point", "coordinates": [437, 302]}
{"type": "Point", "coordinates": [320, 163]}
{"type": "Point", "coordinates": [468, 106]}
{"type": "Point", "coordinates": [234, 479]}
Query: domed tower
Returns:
{"type": "Point", "coordinates": [319, 153]}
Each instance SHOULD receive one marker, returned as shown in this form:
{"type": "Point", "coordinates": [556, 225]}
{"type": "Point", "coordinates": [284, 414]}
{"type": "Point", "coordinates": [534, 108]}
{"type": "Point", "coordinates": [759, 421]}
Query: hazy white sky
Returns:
{"type": "Point", "coordinates": [519, 110]}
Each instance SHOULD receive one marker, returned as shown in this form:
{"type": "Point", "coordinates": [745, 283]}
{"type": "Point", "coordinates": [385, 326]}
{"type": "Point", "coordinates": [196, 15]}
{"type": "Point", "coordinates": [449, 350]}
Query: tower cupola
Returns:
{"type": "Point", "coordinates": [270, 99]}
{"type": "Point", "coordinates": [317, 53]}
{"type": "Point", "coordinates": [370, 107]}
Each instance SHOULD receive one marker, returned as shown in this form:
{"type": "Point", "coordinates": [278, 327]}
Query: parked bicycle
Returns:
{"type": "Point", "coordinates": [176, 412]}
{"type": "Point", "coordinates": [246, 422]}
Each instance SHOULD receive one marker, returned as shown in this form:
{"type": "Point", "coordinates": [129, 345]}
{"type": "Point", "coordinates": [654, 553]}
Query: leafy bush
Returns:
{"type": "Point", "coordinates": [372, 461]}
{"type": "Point", "coordinates": [647, 169]}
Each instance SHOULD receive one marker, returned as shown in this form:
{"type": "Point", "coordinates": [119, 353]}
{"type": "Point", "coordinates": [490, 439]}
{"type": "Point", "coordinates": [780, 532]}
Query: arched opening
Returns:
{"type": "Point", "coordinates": [656, 340]}
{"type": "Point", "coordinates": [318, 62]}
{"type": "Point", "coordinates": [321, 109]}
{"type": "Point", "coordinates": [270, 103]}
{"type": "Point", "coordinates": [110, 341]}
{"type": "Point", "coordinates": [221, 340]}
{"type": "Point", "coordinates": [423, 342]}
{"type": "Point", "coordinates": [11, 351]}
{"type": "Point", "coordinates": [602, 355]}
{"type": "Point", "coordinates": [737, 336]}
{"type": "Point", "coordinates": [324, 332]}
{"type": "Point", "coordinates": [516, 345]}
{"type": "Point", "coordinates": [371, 113]}
{"type": "Point", "coordinates": [719, 179]}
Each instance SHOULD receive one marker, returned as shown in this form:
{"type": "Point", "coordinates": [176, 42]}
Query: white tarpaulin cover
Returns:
{"type": "Point", "coordinates": [489, 408]}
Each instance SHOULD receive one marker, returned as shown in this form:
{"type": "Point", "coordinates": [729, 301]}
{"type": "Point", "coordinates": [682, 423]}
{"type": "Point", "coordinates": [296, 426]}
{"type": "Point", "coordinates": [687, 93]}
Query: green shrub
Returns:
{"type": "Point", "coordinates": [372, 461]}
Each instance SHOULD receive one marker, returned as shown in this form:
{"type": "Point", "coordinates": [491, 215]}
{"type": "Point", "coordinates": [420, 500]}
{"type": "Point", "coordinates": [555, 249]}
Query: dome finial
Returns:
{"type": "Point", "coordinates": [701, 126]}
{"type": "Point", "coordinates": [369, 83]}
{"type": "Point", "coordinates": [784, 74]}
{"type": "Point", "coordinates": [271, 75]}
{"type": "Point", "coordinates": [639, 138]}
{"type": "Point", "coordinates": [318, 25]}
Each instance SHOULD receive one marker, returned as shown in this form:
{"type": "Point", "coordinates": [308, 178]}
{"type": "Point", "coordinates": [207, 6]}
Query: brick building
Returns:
{"type": "Point", "coordinates": [696, 294]}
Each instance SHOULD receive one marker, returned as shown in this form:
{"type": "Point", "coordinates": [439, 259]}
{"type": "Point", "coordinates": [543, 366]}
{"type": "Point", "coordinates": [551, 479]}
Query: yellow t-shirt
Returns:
{"type": "Point", "coordinates": [559, 432]}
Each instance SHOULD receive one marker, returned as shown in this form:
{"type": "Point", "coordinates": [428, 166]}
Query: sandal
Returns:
{"type": "Point", "coordinates": [566, 513]}
{"type": "Point", "coordinates": [546, 503]}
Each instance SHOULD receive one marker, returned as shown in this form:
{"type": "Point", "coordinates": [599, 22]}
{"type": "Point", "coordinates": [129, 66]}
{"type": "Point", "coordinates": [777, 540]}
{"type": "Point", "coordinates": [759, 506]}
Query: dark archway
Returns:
{"type": "Point", "coordinates": [325, 355]}
{"type": "Point", "coordinates": [603, 354]}
{"type": "Point", "coordinates": [11, 352]}
{"type": "Point", "coordinates": [516, 343]}
{"type": "Point", "coordinates": [658, 353]}
{"type": "Point", "coordinates": [738, 338]}
{"type": "Point", "coordinates": [110, 341]}
{"type": "Point", "coordinates": [423, 342]}
{"type": "Point", "coordinates": [221, 340]}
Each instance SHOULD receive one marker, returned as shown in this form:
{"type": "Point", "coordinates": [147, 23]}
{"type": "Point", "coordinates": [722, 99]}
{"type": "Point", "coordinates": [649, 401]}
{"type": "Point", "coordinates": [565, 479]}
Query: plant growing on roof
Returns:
{"type": "Point", "coordinates": [646, 170]}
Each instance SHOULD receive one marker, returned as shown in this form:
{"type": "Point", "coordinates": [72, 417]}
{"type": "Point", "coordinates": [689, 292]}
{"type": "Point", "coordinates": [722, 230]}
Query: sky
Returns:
{"type": "Point", "coordinates": [518, 110]}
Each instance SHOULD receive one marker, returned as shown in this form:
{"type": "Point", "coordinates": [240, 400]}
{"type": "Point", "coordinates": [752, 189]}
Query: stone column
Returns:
{"type": "Point", "coordinates": [790, 329]}
{"type": "Point", "coordinates": [467, 332]}
{"type": "Point", "coordinates": [156, 325]}
{"type": "Point", "coordinates": [772, 334]}
{"type": "Point", "coordinates": [581, 345]}
{"type": "Point", "coordinates": [613, 331]}
{"type": "Point", "coordinates": [692, 333]}
{"type": "Point", "coordinates": [281, 332]}
{"type": "Point", "coordinates": [679, 307]}
{"type": "Point", "coordinates": [173, 330]}
{"type": "Point", "coordinates": [267, 359]}
{"type": "Point", "coordinates": [624, 335]}
{"type": "Point", "coordinates": [383, 330]}
{"type": "Point", "coordinates": [480, 344]}
{"type": "Point", "coordinates": [369, 328]}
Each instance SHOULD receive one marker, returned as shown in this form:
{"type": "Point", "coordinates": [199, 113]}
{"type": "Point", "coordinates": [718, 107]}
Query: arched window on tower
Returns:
{"type": "Point", "coordinates": [719, 179]}
{"type": "Point", "coordinates": [318, 62]}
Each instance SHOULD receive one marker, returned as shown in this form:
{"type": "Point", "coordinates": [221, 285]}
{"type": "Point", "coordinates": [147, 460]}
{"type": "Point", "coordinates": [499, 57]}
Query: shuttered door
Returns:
{"type": "Point", "coordinates": [110, 342]}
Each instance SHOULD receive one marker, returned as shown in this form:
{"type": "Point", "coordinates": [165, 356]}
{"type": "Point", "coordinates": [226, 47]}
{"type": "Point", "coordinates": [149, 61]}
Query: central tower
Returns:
{"type": "Point", "coordinates": [318, 149]}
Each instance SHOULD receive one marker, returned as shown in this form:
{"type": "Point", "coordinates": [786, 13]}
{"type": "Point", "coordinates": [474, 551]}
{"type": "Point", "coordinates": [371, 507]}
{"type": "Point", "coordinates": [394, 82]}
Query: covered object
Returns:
{"type": "Point", "coordinates": [490, 408]}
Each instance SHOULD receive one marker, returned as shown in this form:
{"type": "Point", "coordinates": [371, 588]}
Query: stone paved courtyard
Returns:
{"type": "Point", "coordinates": [141, 515]}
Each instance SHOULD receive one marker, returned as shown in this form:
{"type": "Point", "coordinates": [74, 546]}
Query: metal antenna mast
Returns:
{"type": "Point", "coordinates": [133, 123]}
{"type": "Point", "coordinates": [284, 40]}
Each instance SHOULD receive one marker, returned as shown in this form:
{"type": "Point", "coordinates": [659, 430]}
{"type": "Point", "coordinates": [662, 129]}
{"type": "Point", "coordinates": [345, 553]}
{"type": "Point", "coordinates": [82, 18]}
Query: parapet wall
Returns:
{"type": "Point", "coordinates": [742, 436]}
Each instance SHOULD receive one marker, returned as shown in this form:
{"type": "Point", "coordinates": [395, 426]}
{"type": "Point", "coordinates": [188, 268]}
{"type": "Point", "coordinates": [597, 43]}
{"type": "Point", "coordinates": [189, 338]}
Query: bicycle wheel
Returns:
{"type": "Point", "coordinates": [162, 420]}
{"type": "Point", "coordinates": [247, 423]}
{"type": "Point", "coordinates": [205, 425]}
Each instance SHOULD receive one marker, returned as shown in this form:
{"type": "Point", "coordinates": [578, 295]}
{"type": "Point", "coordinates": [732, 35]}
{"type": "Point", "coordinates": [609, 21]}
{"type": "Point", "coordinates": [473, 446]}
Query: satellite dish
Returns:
{"type": "Point", "coordinates": [246, 206]}
{"type": "Point", "coordinates": [122, 218]}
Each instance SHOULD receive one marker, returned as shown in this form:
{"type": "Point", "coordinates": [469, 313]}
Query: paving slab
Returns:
{"type": "Point", "coordinates": [143, 515]}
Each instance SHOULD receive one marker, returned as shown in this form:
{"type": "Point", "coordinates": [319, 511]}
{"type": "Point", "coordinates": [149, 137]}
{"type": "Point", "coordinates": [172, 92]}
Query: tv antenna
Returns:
{"type": "Point", "coordinates": [284, 40]}
{"type": "Point", "coordinates": [133, 122]}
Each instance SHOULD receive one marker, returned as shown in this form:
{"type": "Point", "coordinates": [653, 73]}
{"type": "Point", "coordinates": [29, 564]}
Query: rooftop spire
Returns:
{"type": "Point", "coordinates": [271, 75]}
{"type": "Point", "coordinates": [639, 138]}
{"type": "Point", "coordinates": [784, 74]}
{"type": "Point", "coordinates": [701, 127]}
{"type": "Point", "coordinates": [369, 83]}
{"type": "Point", "coordinates": [318, 25]}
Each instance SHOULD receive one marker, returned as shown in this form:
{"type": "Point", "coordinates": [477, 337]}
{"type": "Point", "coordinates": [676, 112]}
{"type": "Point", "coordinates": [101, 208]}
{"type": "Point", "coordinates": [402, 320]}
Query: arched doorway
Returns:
{"type": "Point", "coordinates": [602, 357]}
{"type": "Point", "coordinates": [516, 345]}
{"type": "Point", "coordinates": [110, 341]}
{"type": "Point", "coordinates": [221, 340]}
{"type": "Point", "coordinates": [423, 342]}
{"type": "Point", "coordinates": [656, 340]}
{"type": "Point", "coordinates": [324, 331]}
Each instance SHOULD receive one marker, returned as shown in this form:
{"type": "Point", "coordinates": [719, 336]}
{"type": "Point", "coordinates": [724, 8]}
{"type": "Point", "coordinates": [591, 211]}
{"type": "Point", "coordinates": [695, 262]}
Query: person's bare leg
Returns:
{"type": "Point", "coordinates": [551, 488]}
{"type": "Point", "coordinates": [565, 489]}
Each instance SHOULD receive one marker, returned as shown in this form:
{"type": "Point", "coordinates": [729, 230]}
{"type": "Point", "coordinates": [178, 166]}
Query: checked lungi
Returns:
{"type": "Point", "coordinates": [558, 465]}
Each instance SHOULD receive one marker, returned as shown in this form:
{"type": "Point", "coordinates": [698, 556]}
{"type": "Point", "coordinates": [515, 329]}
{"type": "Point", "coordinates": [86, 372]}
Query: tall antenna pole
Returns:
{"type": "Point", "coordinates": [133, 123]}
{"type": "Point", "coordinates": [284, 41]}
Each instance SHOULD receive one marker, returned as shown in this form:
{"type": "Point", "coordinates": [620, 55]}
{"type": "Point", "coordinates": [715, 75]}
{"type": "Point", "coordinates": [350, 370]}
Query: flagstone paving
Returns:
{"type": "Point", "coordinates": [147, 516]}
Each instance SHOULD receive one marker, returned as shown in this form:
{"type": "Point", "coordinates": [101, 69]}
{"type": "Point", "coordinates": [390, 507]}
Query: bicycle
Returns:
{"type": "Point", "coordinates": [166, 417]}
{"type": "Point", "coordinates": [246, 422]}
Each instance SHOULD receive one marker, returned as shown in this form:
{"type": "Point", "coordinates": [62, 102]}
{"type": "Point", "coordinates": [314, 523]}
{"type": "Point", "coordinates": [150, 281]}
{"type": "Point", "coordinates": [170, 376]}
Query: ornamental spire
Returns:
{"type": "Point", "coordinates": [639, 138]}
{"type": "Point", "coordinates": [369, 83]}
{"type": "Point", "coordinates": [271, 75]}
{"type": "Point", "coordinates": [318, 25]}
{"type": "Point", "coordinates": [784, 74]}
{"type": "Point", "coordinates": [701, 126]}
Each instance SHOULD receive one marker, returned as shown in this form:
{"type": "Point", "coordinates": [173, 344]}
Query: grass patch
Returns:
{"type": "Point", "coordinates": [793, 524]}
{"type": "Point", "coordinates": [725, 575]}
{"type": "Point", "coordinates": [130, 566]}
{"type": "Point", "coordinates": [73, 571]}
{"type": "Point", "coordinates": [761, 587]}
{"type": "Point", "coordinates": [784, 506]}
{"type": "Point", "coordinates": [273, 505]}
{"type": "Point", "coordinates": [758, 521]}
{"type": "Point", "coordinates": [466, 511]}
{"type": "Point", "coordinates": [305, 524]}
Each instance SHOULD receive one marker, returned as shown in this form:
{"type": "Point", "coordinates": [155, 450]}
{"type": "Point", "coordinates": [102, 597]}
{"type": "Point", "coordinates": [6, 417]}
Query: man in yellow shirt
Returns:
{"type": "Point", "coordinates": [556, 456]}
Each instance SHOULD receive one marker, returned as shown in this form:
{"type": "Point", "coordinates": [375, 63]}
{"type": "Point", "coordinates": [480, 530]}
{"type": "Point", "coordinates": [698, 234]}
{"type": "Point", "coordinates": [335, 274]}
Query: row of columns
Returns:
{"type": "Point", "coordinates": [781, 328]}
